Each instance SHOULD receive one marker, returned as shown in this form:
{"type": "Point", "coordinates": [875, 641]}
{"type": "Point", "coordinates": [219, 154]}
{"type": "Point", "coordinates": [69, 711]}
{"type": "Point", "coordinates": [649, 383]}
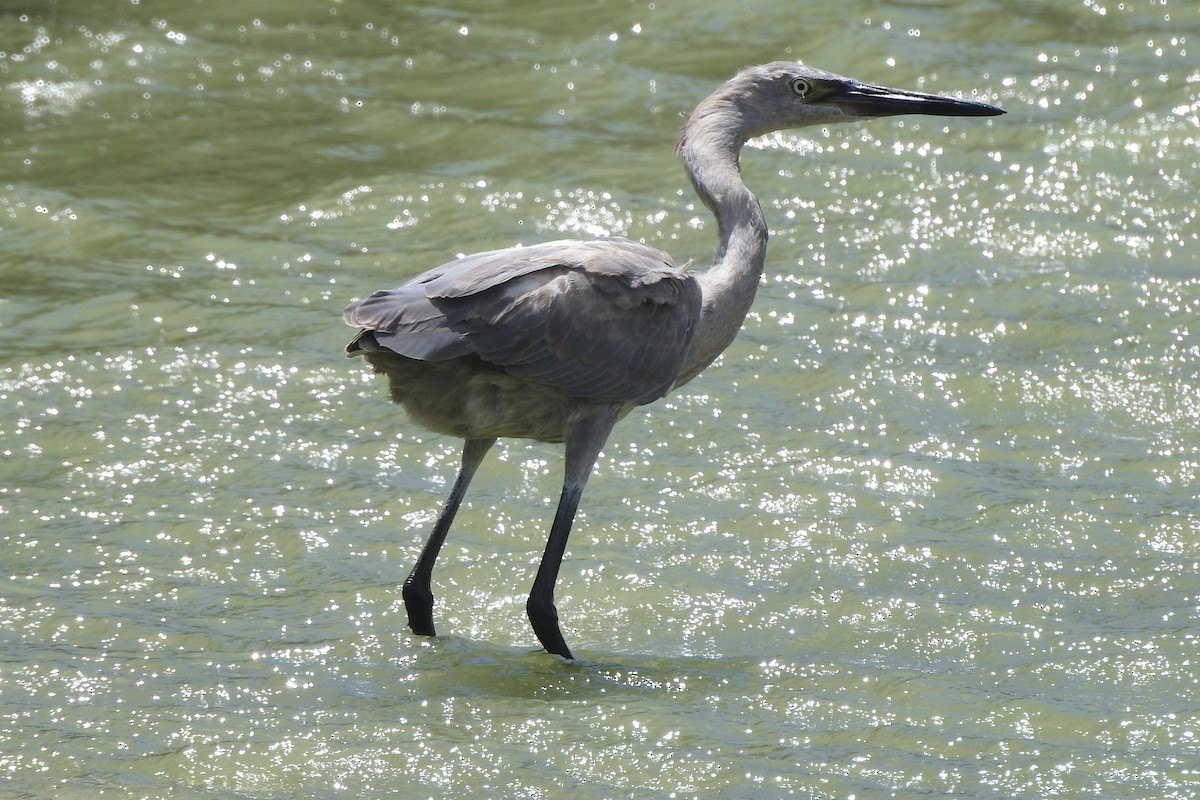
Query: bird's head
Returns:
{"type": "Point", "coordinates": [785, 94]}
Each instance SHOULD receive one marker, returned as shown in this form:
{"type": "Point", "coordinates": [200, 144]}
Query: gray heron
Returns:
{"type": "Point", "coordinates": [558, 341]}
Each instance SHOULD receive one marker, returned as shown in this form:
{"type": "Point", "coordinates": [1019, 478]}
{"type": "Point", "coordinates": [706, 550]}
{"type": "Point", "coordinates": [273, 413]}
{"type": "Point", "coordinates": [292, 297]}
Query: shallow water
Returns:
{"type": "Point", "coordinates": [928, 529]}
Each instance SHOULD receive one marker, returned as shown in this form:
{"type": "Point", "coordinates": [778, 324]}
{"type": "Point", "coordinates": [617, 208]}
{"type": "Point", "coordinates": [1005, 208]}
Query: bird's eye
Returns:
{"type": "Point", "coordinates": [801, 87]}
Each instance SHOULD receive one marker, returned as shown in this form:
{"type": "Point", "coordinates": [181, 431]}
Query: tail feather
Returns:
{"type": "Point", "coordinates": [365, 342]}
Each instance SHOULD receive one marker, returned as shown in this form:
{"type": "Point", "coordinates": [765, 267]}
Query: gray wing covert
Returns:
{"type": "Point", "coordinates": [405, 321]}
{"type": "Point", "coordinates": [605, 319]}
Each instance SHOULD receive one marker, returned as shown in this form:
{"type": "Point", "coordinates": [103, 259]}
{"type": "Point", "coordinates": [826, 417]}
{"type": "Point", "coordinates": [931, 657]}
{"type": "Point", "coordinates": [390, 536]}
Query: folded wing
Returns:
{"type": "Point", "coordinates": [604, 319]}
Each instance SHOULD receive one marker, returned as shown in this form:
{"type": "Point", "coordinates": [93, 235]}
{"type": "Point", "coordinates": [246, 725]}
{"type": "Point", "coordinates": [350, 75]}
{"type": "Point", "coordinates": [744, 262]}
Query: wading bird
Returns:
{"type": "Point", "coordinates": [558, 341]}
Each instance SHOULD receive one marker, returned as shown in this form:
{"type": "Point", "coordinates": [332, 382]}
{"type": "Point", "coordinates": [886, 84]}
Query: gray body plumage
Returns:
{"type": "Point", "coordinates": [558, 341]}
{"type": "Point", "coordinates": [592, 321]}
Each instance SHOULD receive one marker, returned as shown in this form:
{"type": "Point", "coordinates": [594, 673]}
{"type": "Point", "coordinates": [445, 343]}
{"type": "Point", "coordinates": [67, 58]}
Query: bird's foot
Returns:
{"type": "Point", "coordinates": [419, 605]}
{"type": "Point", "coordinates": [544, 619]}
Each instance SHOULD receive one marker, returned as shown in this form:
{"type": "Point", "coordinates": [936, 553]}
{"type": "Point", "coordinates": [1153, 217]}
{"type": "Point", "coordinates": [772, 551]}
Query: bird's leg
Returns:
{"type": "Point", "coordinates": [418, 596]}
{"type": "Point", "coordinates": [583, 443]}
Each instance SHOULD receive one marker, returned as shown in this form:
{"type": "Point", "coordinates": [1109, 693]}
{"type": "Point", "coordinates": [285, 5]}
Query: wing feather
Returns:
{"type": "Point", "coordinates": [604, 319]}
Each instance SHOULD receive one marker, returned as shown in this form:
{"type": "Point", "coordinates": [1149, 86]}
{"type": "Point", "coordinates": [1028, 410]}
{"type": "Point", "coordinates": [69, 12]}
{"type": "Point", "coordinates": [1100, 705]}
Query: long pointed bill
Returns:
{"type": "Point", "coordinates": [865, 100]}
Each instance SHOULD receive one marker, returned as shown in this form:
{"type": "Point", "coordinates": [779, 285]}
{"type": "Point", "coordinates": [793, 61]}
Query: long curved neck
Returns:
{"type": "Point", "coordinates": [709, 147]}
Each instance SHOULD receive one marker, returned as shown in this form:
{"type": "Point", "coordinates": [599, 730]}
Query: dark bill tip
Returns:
{"type": "Point", "coordinates": [864, 100]}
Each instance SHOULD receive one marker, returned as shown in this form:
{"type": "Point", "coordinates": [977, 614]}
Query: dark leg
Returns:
{"type": "Point", "coordinates": [583, 446]}
{"type": "Point", "coordinates": [418, 596]}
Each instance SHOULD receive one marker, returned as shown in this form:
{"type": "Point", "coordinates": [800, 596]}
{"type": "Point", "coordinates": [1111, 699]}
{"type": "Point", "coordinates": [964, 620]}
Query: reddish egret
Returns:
{"type": "Point", "coordinates": [558, 341]}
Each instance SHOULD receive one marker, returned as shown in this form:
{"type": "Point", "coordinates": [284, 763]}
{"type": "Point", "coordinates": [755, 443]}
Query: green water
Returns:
{"type": "Point", "coordinates": [929, 529]}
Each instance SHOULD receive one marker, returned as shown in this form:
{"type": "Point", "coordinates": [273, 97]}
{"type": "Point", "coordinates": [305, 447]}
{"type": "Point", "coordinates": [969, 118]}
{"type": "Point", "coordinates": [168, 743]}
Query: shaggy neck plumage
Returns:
{"type": "Point", "coordinates": [709, 147]}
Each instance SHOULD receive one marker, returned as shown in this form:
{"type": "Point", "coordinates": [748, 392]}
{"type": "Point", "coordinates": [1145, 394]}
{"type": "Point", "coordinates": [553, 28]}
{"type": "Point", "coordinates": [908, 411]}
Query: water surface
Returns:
{"type": "Point", "coordinates": [928, 529]}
